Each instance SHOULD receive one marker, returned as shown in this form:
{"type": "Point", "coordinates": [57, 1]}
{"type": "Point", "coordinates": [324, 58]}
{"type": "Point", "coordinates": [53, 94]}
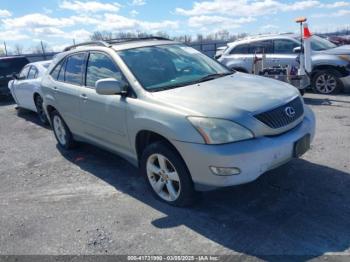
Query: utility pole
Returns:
{"type": "Point", "coordinates": [42, 48]}
{"type": "Point", "coordinates": [5, 48]}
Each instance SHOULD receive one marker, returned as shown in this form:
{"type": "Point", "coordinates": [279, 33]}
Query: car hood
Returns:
{"type": "Point", "coordinates": [340, 50]}
{"type": "Point", "coordinates": [228, 97]}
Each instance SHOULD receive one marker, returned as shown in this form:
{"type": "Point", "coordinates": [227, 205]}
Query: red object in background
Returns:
{"type": "Point", "coordinates": [307, 33]}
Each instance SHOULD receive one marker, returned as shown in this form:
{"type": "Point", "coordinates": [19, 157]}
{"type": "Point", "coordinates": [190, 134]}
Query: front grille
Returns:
{"type": "Point", "coordinates": [282, 115]}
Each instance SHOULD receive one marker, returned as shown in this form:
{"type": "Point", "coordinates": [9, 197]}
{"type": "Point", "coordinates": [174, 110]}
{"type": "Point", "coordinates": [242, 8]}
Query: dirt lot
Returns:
{"type": "Point", "coordinates": [88, 201]}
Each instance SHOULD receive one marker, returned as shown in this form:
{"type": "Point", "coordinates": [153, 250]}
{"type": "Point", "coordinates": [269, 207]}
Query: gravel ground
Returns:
{"type": "Point", "coordinates": [88, 201]}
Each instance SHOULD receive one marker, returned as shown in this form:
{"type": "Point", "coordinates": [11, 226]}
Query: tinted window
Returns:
{"type": "Point", "coordinates": [56, 71]}
{"type": "Point", "coordinates": [240, 49]}
{"type": "Point", "coordinates": [74, 68]}
{"type": "Point", "coordinates": [61, 72]}
{"type": "Point", "coordinates": [100, 66]}
{"type": "Point", "coordinates": [24, 72]}
{"type": "Point", "coordinates": [33, 72]}
{"type": "Point", "coordinates": [12, 65]}
{"type": "Point", "coordinates": [283, 46]}
{"type": "Point", "coordinates": [261, 47]}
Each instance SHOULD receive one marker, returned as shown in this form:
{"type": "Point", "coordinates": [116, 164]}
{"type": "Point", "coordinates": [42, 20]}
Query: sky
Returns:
{"type": "Point", "coordinates": [58, 22]}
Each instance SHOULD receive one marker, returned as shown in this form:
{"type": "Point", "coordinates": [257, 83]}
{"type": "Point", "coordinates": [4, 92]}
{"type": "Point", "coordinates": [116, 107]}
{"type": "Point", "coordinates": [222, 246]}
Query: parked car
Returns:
{"type": "Point", "coordinates": [25, 88]}
{"type": "Point", "coordinates": [339, 40]}
{"type": "Point", "coordinates": [219, 51]}
{"type": "Point", "coordinates": [331, 64]}
{"type": "Point", "coordinates": [188, 122]}
{"type": "Point", "coordinates": [8, 66]}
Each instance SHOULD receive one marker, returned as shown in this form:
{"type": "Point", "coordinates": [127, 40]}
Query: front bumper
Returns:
{"type": "Point", "coordinates": [346, 83]}
{"type": "Point", "coordinates": [253, 157]}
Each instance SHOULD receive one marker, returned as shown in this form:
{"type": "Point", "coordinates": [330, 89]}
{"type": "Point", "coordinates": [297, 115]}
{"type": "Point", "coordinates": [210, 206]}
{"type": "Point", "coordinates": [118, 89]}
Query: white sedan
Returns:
{"type": "Point", "coordinates": [25, 88]}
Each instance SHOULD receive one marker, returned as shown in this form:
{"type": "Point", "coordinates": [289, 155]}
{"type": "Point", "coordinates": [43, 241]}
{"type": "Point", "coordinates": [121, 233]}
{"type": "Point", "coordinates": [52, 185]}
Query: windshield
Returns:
{"type": "Point", "coordinates": [319, 43]}
{"type": "Point", "coordinates": [169, 66]}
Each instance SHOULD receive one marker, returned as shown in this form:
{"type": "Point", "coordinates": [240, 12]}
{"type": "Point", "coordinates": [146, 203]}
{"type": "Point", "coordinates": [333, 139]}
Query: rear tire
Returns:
{"type": "Point", "coordinates": [62, 133]}
{"type": "Point", "coordinates": [327, 82]}
{"type": "Point", "coordinates": [167, 175]}
{"type": "Point", "coordinates": [38, 101]}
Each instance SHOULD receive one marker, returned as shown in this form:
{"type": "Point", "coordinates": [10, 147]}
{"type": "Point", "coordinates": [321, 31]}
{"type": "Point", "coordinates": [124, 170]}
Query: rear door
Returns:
{"type": "Point", "coordinates": [28, 88]}
{"type": "Point", "coordinates": [20, 85]}
{"type": "Point", "coordinates": [258, 48]}
{"type": "Point", "coordinates": [283, 53]}
{"type": "Point", "coordinates": [65, 90]}
{"type": "Point", "coordinates": [103, 116]}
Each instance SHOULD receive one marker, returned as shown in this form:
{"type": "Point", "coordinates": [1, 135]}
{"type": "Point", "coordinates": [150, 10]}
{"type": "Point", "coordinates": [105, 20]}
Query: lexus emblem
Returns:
{"type": "Point", "coordinates": [290, 111]}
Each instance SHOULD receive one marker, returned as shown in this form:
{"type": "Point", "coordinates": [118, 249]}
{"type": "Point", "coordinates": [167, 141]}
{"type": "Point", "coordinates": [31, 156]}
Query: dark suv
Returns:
{"type": "Point", "coordinates": [9, 66]}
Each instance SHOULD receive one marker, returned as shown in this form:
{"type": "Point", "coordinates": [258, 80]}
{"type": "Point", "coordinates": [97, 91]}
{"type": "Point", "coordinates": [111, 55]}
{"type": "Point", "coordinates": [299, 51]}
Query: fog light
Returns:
{"type": "Point", "coordinates": [225, 171]}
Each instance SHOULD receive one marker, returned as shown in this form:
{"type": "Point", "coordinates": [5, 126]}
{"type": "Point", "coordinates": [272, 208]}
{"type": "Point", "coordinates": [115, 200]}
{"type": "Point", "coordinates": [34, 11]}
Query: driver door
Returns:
{"type": "Point", "coordinates": [103, 116]}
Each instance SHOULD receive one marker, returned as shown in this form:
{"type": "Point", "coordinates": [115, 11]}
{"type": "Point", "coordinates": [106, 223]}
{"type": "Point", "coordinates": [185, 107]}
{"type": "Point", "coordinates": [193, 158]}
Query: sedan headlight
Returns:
{"type": "Point", "coordinates": [220, 131]}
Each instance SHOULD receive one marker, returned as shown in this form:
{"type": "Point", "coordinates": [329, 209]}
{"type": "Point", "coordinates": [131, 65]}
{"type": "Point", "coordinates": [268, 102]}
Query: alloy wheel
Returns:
{"type": "Point", "coordinates": [163, 177]}
{"type": "Point", "coordinates": [326, 83]}
{"type": "Point", "coordinates": [59, 129]}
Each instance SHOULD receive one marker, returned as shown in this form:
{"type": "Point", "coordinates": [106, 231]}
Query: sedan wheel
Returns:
{"type": "Point", "coordinates": [163, 177]}
{"type": "Point", "coordinates": [62, 133]}
{"type": "Point", "coordinates": [59, 130]}
{"type": "Point", "coordinates": [40, 110]}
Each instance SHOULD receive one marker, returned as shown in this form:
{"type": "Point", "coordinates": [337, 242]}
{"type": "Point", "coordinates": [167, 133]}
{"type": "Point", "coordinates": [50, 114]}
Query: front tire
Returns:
{"type": "Point", "coordinates": [327, 82]}
{"type": "Point", "coordinates": [167, 175]}
{"type": "Point", "coordinates": [38, 101]}
{"type": "Point", "coordinates": [62, 133]}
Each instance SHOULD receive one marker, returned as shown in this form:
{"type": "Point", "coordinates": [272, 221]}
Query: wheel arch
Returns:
{"type": "Point", "coordinates": [318, 68]}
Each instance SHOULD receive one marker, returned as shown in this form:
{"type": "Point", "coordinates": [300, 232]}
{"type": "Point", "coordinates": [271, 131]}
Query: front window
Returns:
{"type": "Point", "coordinates": [169, 66]}
{"type": "Point", "coordinates": [319, 43]}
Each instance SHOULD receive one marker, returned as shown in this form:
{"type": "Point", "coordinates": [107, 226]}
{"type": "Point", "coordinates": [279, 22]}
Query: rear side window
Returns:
{"type": "Point", "coordinates": [33, 73]}
{"type": "Point", "coordinates": [284, 46]}
{"type": "Point", "coordinates": [62, 70]}
{"type": "Point", "coordinates": [100, 66]}
{"type": "Point", "coordinates": [240, 49]}
{"type": "Point", "coordinates": [24, 72]}
{"type": "Point", "coordinates": [261, 47]}
{"type": "Point", "coordinates": [74, 68]}
{"type": "Point", "coordinates": [57, 69]}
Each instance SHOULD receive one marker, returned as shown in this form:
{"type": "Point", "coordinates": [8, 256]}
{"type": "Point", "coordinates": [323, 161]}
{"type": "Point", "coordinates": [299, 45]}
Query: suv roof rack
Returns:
{"type": "Point", "coordinates": [99, 43]}
{"type": "Point", "coordinates": [109, 42]}
{"type": "Point", "coordinates": [131, 39]}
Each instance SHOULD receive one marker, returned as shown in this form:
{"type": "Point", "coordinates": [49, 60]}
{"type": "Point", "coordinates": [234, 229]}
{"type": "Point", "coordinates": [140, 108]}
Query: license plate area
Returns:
{"type": "Point", "coordinates": [302, 146]}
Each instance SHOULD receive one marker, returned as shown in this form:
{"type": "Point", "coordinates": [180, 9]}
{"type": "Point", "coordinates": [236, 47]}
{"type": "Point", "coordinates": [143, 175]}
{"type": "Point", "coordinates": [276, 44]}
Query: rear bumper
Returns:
{"type": "Point", "coordinates": [253, 157]}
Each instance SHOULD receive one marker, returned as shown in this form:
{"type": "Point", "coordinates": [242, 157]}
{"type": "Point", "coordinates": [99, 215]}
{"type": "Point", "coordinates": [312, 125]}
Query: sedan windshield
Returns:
{"type": "Point", "coordinates": [169, 66]}
{"type": "Point", "coordinates": [320, 44]}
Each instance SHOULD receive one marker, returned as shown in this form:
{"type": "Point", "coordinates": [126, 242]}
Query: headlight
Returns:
{"type": "Point", "coordinates": [345, 57]}
{"type": "Point", "coordinates": [219, 131]}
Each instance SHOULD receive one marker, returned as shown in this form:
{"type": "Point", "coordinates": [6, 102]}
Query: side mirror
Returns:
{"type": "Point", "coordinates": [297, 50]}
{"type": "Point", "coordinates": [110, 86]}
{"type": "Point", "coordinates": [15, 76]}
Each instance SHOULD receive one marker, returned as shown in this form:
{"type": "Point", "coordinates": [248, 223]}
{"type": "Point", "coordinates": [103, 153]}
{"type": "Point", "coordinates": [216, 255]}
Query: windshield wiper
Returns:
{"type": "Point", "coordinates": [203, 79]}
{"type": "Point", "coordinates": [213, 76]}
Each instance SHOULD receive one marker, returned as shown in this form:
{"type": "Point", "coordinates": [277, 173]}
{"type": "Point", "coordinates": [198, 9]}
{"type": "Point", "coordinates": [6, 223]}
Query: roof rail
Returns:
{"type": "Point", "coordinates": [108, 42]}
{"type": "Point", "coordinates": [99, 43]}
{"type": "Point", "coordinates": [131, 39]}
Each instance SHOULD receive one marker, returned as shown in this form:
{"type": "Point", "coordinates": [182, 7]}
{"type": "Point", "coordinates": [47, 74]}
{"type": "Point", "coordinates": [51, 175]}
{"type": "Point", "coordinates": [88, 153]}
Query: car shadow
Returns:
{"type": "Point", "coordinates": [324, 101]}
{"type": "Point", "coordinates": [31, 116]}
{"type": "Point", "coordinates": [300, 210]}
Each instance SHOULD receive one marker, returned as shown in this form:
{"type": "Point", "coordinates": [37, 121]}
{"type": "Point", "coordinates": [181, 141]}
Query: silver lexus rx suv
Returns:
{"type": "Point", "coordinates": [189, 123]}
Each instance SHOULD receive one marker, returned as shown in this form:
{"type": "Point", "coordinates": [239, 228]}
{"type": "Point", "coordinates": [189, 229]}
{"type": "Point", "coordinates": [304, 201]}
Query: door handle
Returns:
{"type": "Point", "coordinates": [84, 96]}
